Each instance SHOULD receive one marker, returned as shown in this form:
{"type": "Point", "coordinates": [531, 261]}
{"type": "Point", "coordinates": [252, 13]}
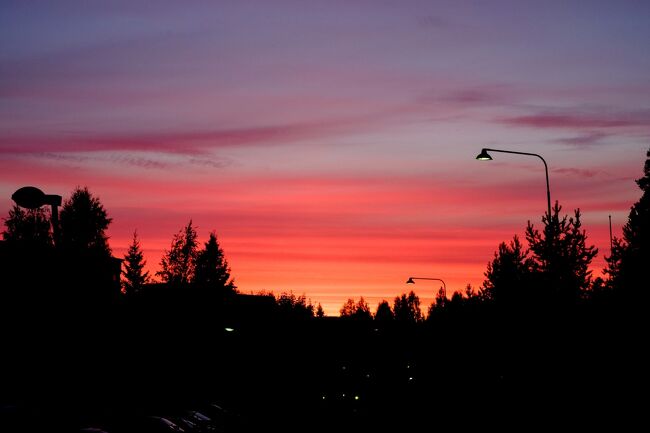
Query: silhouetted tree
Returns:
{"type": "Point", "coordinates": [627, 265]}
{"type": "Point", "coordinates": [456, 303]}
{"type": "Point", "coordinates": [406, 308]}
{"type": "Point", "coordinates": [178, 263]}
{"type": "Point", "coordinates": [28, 226]}
{"type": "Point", "coordinates": [294, 306]}
{"type": "Point", "coordinates": [134, 275]}
{"type": "Point", "coordinates": [441, 298]}
{"type": "Point", "coordinates": [356, 310]}
{"type": "Point", "coordinates": [84, 222]}
{"type": "Point", "coordinates": [598, 288]}
{"type": "Point", "coordinates": [384, 313]}
{"type": "Point", "coordinates": [363, 310]}
{"type": "Point", "coordinates": [470, 292]}
{"type": "Point", "coordinates": [348, 309]}
{"type": "Point", "coordinates": [561, 256]}
{"type": "Point", "coordinates": [438, 305]}
{"type": "Point", "coordinates": [508, 274]}
{"type": "Point", "coordinates": [320, 313]}
{"type": "Point", "coordinates": [212, 270]}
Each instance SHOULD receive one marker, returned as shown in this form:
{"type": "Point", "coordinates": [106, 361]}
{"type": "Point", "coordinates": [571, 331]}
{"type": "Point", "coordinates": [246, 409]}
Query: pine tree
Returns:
{"type": "Point", "coordinates": [561, 257]}
{"type": "Point", "coordinates": [178, 263]}
{"type": "Point", "coordinates": [627, 265]}
{"type": "Point", "coordinates": [84, 222]}
{"type": "Point", "coordinates": [320, 313]}
{"type": "Point", "coordinates": [134, 263]}
{"type": "Point", "coordinates": [508, 274]}
{"type": "Point", "coordinates": [212, 270]}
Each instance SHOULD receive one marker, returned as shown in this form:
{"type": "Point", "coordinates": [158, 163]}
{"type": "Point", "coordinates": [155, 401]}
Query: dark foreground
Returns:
{"type": "Point", "coordinates": [114, 369]}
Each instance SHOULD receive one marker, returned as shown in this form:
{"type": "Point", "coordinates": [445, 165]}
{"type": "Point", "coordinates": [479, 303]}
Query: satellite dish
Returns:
{"type": "Point", "coordinates": [29, 197]}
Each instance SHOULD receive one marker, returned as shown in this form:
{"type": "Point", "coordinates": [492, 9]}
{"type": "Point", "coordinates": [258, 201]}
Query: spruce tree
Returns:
{"type": "Point", "coordinates": [84, 222]}
{"type": "Point", "coordinates": [178, 263]}
{"type": "Point", "coordinates": [627, 265]}
{"type": "Point", "coordinates": [212, 270]}
{"type": "Point", "coordinates": [508, 274]}
{"type": "Point", "coordinates": [561, 257]}
{"type": "Point", "coordinates": [134, 275]}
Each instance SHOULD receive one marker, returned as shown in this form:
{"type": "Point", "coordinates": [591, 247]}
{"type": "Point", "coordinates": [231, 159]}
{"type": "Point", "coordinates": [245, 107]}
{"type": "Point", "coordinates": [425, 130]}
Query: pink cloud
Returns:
{"type": "Point", "coordinates": [195, 142]}
{"type": "Point", "coordinates": [584, 173]}
{"type": "Point", "coordinates": [584, 140]}
{"type": "Point", "coordinates": [580, 120]}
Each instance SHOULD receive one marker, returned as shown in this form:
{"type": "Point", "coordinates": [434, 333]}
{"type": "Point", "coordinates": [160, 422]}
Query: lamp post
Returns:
{"type": "Point", "coordinates": [444, 286]}
{"type": "Point", "coordinates": [32, 198]}
{"type": "Point", "coordinates": [485, 156]}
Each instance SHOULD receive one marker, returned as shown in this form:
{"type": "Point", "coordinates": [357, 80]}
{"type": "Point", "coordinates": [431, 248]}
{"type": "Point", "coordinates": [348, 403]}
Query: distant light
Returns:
{"type": "Point", "coordinates": [343, 367]}
{"type": "Point", "coordinates": [343, 395]}
{"type": "Point", "coordinates": [323, 397]}
{"type": "Point", "coordinates": [356, 397]}
{"type": "Point", "coordinates": [229, 329]}
{"type": "Point", "coordinates": [410, 378]}
{"type": "Point", "coordinates": [367, 376]}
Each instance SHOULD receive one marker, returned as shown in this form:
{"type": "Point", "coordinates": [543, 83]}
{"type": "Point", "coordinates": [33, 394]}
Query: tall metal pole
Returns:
{"type": "Point", "coordinates": [611, 242]}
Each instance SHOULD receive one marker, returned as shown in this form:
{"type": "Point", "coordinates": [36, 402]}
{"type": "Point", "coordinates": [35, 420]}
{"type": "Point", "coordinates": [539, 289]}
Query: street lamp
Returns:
{"type": "Point", "coordinates": [32, 198]}
{"type": "Point", "coordinates": [444, 286]}
{"type": "Point", "coordinates": [485, 156]}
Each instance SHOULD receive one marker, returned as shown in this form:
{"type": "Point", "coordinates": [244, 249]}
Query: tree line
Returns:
{"type": "Point", "coordinates": [551, 269]}
{"type": "Point", "coordinates": [83, 224]}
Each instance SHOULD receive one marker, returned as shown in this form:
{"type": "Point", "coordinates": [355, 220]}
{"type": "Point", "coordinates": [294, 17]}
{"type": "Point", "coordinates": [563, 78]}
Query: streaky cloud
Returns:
{"type": "Point", "coordinates": [584, 140]}
{"type": "Point", "coordinates": [580, 120]}
{"type": "Point", "coordinates": [578, 172]}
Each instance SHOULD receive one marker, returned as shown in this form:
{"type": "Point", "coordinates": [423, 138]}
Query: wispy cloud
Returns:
{"type": "Point", "coordinates": [580, 120]}
{"type": "Point", "coordinates": [211, 162]}
{"type": "Point", "coordinates": [584, 140]}
{"type": "Point", "coordinates": [138, 161]}
{"type": "Point", "coordinates": [578, 172]}
{"type": "Point", "coordinates": [196, 142]}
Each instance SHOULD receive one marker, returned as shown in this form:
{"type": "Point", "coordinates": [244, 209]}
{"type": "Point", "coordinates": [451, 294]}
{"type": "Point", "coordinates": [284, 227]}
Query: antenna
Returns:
{"type": "Point", "coordinates": [611, 243]}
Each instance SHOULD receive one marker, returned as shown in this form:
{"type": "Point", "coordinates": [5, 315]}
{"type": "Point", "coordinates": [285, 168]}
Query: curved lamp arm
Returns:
{"type": "Point", "coordinates": [410, 281]}
{"type": "Point", "coordinates": [485, 156]}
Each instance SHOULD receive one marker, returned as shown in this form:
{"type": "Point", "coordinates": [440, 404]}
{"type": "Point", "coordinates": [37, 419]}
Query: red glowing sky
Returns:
{"type": "Point", "coordinates": [331, 147]}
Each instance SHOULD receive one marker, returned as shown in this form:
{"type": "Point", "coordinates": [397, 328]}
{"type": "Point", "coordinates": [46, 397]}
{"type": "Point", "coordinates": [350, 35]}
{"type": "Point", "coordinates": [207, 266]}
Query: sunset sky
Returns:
{"type": "Point", "coordinates": [330, 144]}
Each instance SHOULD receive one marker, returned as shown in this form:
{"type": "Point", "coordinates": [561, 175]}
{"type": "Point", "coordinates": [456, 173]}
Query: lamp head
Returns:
{"type": "Point", "coordinates": [484, 156]}
{"type": "Point", "coordinates": [29, 197]}
{"type": "Point", "coordinates": [410, 281]}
